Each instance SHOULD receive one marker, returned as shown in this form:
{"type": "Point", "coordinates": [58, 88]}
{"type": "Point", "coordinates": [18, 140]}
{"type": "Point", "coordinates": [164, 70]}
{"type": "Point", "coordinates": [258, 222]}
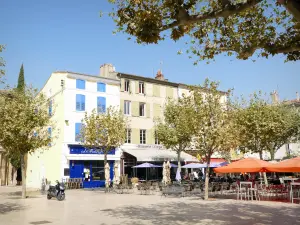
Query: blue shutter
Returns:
{"type": "Point", "coordinates": [101, 87]}
{"type": "Point", "coordinates": [80, 84]}
{"type": "Point", "coordinates": [101, 104]}
{"type": "Point", "coordinates": [77, 131]}
{"type": "Point", "coordinates": [50, 108]}
{"type": "Point", "coordinates": [80, 102]}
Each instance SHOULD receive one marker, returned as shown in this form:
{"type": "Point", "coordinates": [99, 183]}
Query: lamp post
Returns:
{"type": "Point", "coordinates": [122, 164]}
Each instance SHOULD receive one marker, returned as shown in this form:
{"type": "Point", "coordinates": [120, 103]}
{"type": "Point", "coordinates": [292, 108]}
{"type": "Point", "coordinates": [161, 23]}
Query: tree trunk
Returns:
{"type": "Point", "coordinates": [264, 173]}
{"type": "Point", "coordinates": [272, 153]}
{"type": "Point", "coordinates": [23, 167]}
{"type": "Point", "coordinates": [105, 161]}
{"type": "Point", "coordinates": [207, 178]}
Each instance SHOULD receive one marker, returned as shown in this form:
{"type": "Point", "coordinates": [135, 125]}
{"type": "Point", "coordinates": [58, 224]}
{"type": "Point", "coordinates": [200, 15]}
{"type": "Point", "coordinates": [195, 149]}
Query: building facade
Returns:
{"type": "Point", "coordinates": [71, 96]}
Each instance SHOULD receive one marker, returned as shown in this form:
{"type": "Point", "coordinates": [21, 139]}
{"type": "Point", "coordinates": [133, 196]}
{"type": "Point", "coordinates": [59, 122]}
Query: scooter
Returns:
{"type": "Point", "coordinates": [57, 191]}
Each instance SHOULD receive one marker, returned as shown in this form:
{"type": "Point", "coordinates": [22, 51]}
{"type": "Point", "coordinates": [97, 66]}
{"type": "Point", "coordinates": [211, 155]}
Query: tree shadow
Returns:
{"type": "Point", "coordinates": [10, 207]}
{"type": "Point", "coordinates": [15, 193]}
{"type": "Point", "coordinates": [211, 212]}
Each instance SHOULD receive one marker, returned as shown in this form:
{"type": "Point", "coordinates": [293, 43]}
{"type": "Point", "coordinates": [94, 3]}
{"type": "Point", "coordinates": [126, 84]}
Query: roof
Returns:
{"type": "Point", "coordinates": [84, 74]}
{"type": "Point", "coordinates": [293, 102]}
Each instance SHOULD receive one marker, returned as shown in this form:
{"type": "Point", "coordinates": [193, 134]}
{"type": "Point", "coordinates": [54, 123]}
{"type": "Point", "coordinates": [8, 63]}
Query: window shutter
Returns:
{"type": "Point", "coordinates": [156, 110]}
{"type": "Point", "coordinates": [101, 104]}
{"type": "Point", "coordinates": [101, 87]}
{"type": "Point", "coordinates": [145, 88]}
{"type": "Point", "coordinates": [156, 90]}
{"type": "Point", "coordinates": [135, 136]}
{"type": "Point", "coordinates": [122, 84]}
{"type": "Point", "coordinates": [148, 110]}
{"type": "Point", "coordinates": [149, 137]}
{"type": "Point", "coordinates": [82, 103]}
{"type": "Point", "coordinates": [135, 109]}
{"type": "Point", "coordinates": [77, 131]}
{"type": "Point", "coordinates": [169, 92]}
{"type": "Point", "coordinates": [137, 84]}
{"type": "Point", "coordinates": [122, 106]}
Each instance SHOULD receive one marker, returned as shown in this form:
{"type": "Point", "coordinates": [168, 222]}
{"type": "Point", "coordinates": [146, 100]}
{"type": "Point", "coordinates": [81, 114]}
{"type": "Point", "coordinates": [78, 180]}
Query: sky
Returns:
{"type": "Point", "coordinates": [48, 36]}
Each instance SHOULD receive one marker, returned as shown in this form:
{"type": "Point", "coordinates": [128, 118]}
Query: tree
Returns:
{"type": "Point", "coordinates": [103, 131]}
{"type": "Point", "coordinates": [21, 79]}
{"type": "Point", "coordinates": [2, 63]}
{"type": "Point", "coordinates": [176, 130]}
{"type": "Point", "coordinates": [215, 27]}
{"type": "Point", "coordinates": [265, 127]}
{"type": "Point", "coordinates": [25, 123]}
{"type": "Point", "coordinates": [213, 127]}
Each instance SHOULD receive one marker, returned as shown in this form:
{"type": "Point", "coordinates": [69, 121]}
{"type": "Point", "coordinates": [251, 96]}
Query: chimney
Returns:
{"type": "Point", "coordinates": [159, 75]}
{"type": "Point", "coordinates": [106, 70]}
{"type": "Point", "coordinates": [297, 96]}
{"type": "Point", "coordinates": [275, 97]}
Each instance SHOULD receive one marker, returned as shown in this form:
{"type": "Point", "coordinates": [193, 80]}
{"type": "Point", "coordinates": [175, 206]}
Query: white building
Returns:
{"type": "Point", "coordinates": [72, 95]}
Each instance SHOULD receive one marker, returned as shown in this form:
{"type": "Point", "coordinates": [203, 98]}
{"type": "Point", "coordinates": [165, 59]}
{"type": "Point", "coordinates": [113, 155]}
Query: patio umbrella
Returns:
{"type": "Point", "coordinates": [146, 165]}
{"type": "Point", "coordinates": [164, 173]}
{"type": "Point", "coordinates": [168, 175]}
{"type": "Point", "coordinates": [107, 175]}
{"type": "Point", "coordinates": [289, 165]}
{"type": "Point", "coordinates": [194, 165]}
{"type": "Point", "coordinates": [250, 165]}
{"type": "Point", "coordinates": [178, 175]}
{"type": "Point", "coordinates": [116, 179]}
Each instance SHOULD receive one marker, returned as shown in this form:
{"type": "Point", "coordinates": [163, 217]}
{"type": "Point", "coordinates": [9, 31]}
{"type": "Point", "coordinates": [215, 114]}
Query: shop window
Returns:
{"type": "Point", "coordinates": [98, 172]}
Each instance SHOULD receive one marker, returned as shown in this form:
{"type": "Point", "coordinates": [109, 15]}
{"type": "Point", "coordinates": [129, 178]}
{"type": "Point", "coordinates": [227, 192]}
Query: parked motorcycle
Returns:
{"type": "Point", "coordinates": [57, 191]}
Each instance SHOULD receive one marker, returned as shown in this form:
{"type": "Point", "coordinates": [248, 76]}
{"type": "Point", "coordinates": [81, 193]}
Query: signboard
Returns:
{"type": "Point", "coordinates": [150, 146]}
{"type": "Point", "coordinates": [75, 149]}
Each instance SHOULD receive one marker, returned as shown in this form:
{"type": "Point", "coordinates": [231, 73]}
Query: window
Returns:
{"type": "Point", "coordinates": [80, 102]}
{"type": "Point", "coordinates": [142, 109]}
{"type": "Point", "coordinates": [142, 136]}
{"type": "Point", "coordinates": [50, 134]}
{"type": "Point", "coordinates": [127, 86]}
{"type": "Point", "coordinates": [127, 107]}
{"type": "Point", "coordinates": [128, 136]}
{"type": "Point", "coordinates": [50, 108]}
{"type": "Point", "coordinates": [157, 142]}
{"type": "Point", "coordinates": [80, 84]}
{"type": "Point", "coordinates": [77, 131]}
{"type": "Point", "coordinates": [101, 104]}
{"type": "Point", "coordinates": [141, 88]}
{"type": "Point", "coordinates": [101, 87]}
{"type": "Point", "coordinates": [97, 170]}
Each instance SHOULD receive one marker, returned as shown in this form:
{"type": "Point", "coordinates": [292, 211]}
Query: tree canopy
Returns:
{"type": "Point", "coordinates": [21, 79]}
{"type": "Point", "coordinates": [2, 63]}
{"type": "Point", "coordinates": [25, 125]}
{"type": "Point", "coordinates": [103, 131]}
{"type": "Point", "coordinates": [232, 27]}
{"type": "Point", "coordinates": [177, 129]}
{"type": "Point", "coordinates": [265, 127]}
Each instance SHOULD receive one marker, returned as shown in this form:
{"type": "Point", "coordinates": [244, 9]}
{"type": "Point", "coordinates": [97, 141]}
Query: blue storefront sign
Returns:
{"type": "Point", "coordinates": [78, 149]}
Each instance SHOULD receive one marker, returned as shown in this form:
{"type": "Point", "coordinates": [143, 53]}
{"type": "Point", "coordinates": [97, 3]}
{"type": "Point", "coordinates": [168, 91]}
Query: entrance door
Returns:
{"type": "Point", "coordinates": [76, 169]}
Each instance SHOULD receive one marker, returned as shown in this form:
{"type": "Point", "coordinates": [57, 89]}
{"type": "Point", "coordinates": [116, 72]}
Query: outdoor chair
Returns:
{"type": "Point", "coordinates": [295, 192]}
{"type": "Point", "coordinates": [240, 192]}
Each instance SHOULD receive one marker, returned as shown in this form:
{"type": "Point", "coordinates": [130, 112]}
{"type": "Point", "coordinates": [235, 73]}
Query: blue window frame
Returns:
{"type": "Point", "coordinates": [80, 102]}
{"type": "Point", "coordinates": [80, 84]}
{"type": "Point", "coordinates": [50, 134]}
{"type": "Point", "coordinates": [101, 104]}
{"type": "Point", "coordinates": [101, 87]}
{"type": "Point", "coordinates": [50, 108]}
{"type": "Point", "coordinates": [77, 131]}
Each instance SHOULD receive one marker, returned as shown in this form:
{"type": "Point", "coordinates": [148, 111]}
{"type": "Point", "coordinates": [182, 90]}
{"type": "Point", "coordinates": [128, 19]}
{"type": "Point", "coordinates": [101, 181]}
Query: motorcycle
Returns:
{"type": "Point", "coordinates": [57, 191]}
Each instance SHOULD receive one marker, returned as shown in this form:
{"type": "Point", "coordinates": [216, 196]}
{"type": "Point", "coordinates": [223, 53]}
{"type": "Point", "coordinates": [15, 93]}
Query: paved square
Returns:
{"type": "Point", "coordinates": [85, 207]}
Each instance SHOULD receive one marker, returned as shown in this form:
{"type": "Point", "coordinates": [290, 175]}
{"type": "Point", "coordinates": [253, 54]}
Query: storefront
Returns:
{"type": "Point", "coordinates": [88, 164]}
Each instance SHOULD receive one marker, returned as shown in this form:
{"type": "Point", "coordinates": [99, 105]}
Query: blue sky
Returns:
{"type": "Point", "coordinates": [69, 35]}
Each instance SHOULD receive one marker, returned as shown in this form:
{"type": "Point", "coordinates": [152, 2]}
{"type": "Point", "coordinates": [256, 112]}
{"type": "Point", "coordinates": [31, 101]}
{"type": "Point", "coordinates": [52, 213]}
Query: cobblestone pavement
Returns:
{"type": "Point", "coordinates": [86, 207]}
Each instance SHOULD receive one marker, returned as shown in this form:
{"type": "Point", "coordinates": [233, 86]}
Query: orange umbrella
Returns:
{"type": "Point", "coordinates": [250, 165]}
{"type": "Point", "coordinates": [289, 165]}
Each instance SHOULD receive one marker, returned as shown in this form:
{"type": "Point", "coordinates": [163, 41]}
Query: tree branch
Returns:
{"type": "Point", "coordinates": [228, 10]}
{"type": "Point", "coordinates": [293, 7]}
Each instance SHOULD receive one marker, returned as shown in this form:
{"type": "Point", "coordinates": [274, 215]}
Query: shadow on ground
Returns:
{"type": "Point", "coordinates": [9, 207]}
{"type": "Point", "coordinates": [213, 212]}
